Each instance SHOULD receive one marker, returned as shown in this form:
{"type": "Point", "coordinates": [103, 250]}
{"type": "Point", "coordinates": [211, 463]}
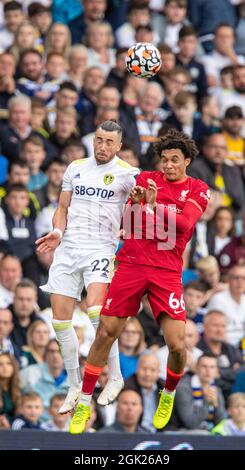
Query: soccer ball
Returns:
{"type": "Point", "coordinates": [143, 60]}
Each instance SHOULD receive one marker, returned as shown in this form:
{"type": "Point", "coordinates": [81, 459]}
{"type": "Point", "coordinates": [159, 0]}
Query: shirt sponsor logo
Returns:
{"type": "Point", "coordinates": [183, 195]}
{"type": "Point", "coordinates": [108, 179]}
{"type": "Point", "coordinates": [207, 195]}
{"type": "Point", "coordinates": [90, 191]}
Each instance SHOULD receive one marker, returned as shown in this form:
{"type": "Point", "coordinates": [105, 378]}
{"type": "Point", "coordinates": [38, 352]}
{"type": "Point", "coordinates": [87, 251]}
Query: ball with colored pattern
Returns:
{"type": "Point", "coordinates": [143, 60]}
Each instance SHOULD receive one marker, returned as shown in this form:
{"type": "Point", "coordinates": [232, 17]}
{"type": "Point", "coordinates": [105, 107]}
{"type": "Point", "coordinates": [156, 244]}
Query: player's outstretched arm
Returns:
{"type": "Point", "coordinates": [50, 241]}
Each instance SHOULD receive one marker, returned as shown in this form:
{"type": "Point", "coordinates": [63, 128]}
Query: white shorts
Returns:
{"type": "Point", "coordinates": [73, 268]}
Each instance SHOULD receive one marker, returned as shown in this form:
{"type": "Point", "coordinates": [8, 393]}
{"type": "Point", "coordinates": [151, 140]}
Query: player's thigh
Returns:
{"type": "Point", "coordinates": [125, 292]}
{"type": "Point", "coordinates": [97, 272]}
{"type": "Point", "coordinates": [65, 275]}
{"type": "Point", "coordinates": [62, 306]}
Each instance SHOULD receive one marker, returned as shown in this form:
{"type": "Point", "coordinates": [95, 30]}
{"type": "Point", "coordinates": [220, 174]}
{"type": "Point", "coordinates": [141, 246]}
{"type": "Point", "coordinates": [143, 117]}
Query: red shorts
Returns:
{"type": "Point", "coordinates": [131, 282]}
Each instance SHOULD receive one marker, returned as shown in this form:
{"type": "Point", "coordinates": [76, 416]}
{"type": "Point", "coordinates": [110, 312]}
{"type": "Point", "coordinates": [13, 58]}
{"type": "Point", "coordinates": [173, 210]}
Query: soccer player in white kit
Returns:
{"type": "Point", "coordinates": [86, 224]}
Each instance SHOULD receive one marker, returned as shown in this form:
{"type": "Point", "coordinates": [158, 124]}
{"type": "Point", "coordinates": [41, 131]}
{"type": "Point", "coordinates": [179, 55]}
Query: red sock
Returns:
{"type": "Point", "coordinates": [91, 376]}
{"type": "Point", "coordinates": [172, 379]}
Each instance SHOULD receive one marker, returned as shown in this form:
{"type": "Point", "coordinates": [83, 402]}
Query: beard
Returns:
{"type": "Point", "coordinates": [240, 89]}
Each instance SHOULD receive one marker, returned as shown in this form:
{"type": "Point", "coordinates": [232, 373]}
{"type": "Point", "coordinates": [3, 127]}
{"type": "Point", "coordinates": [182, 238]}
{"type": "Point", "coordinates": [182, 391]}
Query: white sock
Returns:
{"type": "Point", "coordinates": [69, 346]}
{"type": "Point", "coordinates": [113, 358]}
{"type": "Point", "coordinates": [85, 399]}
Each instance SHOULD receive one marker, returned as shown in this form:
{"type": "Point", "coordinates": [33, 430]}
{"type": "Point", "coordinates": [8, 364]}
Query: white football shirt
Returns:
{"type": "Point", "coordinates": [99, 193]}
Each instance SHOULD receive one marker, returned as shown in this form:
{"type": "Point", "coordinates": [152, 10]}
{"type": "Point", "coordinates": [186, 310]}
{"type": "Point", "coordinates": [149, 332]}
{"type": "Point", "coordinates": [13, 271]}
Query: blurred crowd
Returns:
{"type": "Point", "coordinates": [62, 73]}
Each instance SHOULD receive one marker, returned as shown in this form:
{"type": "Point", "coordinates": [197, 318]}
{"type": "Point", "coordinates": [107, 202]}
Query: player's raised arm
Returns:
{"type": "Point", "coordinates": [52, 239]}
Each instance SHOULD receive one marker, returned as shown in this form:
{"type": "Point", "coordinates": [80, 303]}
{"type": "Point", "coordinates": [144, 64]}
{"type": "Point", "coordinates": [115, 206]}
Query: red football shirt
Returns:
{"type": "Point", "coordinates": [156, 248]}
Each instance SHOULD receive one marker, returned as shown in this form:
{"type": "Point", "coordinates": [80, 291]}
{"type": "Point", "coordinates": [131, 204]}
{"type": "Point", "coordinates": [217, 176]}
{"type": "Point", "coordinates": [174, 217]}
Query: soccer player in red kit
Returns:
{"type": "Point", "coordinates": [166, 206]}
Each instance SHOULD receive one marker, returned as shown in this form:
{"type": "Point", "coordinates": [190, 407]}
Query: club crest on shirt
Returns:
{"type": "Point", "coordinates": [107, 305]}
{"type": "Point", "coordinates": [183, 195]}
{"type": "Point", "coordinates": [108, 179]}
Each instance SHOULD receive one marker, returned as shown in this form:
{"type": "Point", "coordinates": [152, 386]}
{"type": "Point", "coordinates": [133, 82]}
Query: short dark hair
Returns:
{"type": "Point", "coordinates": [137, 6]}
{"type": "Point", "coordinates": [146, 27]}
{"type": "Point", "coordinates": [11, 6]}
{"type": "Point", "coordinates": [37, 8]}
{"type": "Point", "coordinates": [164, 49]}
{"type": "Point", "coordinates": [234, 112]}
{"type": "Point", "coordinates": [177, 140]}
{"type": "Point", "coordinates": [17, 187]}
{"type": "Point", "coordinates": [121, 50]}
{"type": "Point", "coordinates": [29, 51]}
{"type": "Point", "coordinates": [54, 161]}
{"type": "Point", "coordinates": [110, 126]}
{"type": "Point", "coordinates": [196, 285]}
{"type": "Point", "coordinates": [223, 25]}
{"type": "Point", "coordinates": [33, 139]}
{"type": "Point", "coordinates": [208, 355]}
{"type": "Point", "coordinates": [26, 283]}
{"type": "Point", "coordinates": [180, 3]}
{"type": "Point", "coordinates": [68, 86]}
{"type": "Point", "coordinates": [20, 163]}
{"type": "Point", "coordinates": [187, 31]}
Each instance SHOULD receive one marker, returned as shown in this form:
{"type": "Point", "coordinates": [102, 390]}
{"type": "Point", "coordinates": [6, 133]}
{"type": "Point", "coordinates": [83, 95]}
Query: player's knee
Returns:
{"type": "Point", "coordinates": [105, 333]}
{"type": "Point", "coordinates": [177, 348]}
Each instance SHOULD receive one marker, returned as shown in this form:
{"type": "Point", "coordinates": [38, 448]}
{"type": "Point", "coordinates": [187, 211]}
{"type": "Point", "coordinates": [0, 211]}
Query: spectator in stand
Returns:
{"type": "Point", "coordinates": [235, 424]}
{"type": "Point", "coordinates": [10, 276]}
{"type": "Point", "coordinates": [31, 409]}
{"type": "Point", "coordinates": [65, 127]}
{"type": "Point", "coordinates": [117, 74]}
{"type": "Point", "coordinates": [239, 31]}
{"type": "Point", "coordinates": [213, 341]}
{"type": "Point", "coordinates": [6, 328]}
{"type": "Point", "coordinates": [67, 95]}
{"type": "Point", "coordinates": [24, 309]}
{"type": "Point", "coordinates": [55, 68]}
{"type": "Point", "coordinates": [66, 11]}
{"type": "Point", "coordinates": [188, 44]}
{"type": "Point", "coordinates": [19, 173]}
{"type": "Point", "coordinates": [153, 334]}
{"type": "Point", "coordinates": [31, 82]}
{"type": "Point", "coordinates": [128, 155]}
{"type": "Point", "coordinates": [210, 112]}
{"type": "Point", "coordinates": [58, 39]}
{"type": "Point", "coordinates": [144, 33]}
{"type": "Point", "coordinates": [129, 411]}
{"type": "Point", "coordinates": [13, 17]}
{"type": "Point", "coordinates": [47, 378]}
{"type": "Point", "coordinates": [17, 127]}
{"type": "Point", "coordinates": [206, 15]}
{"type": "Point", "coordinates": [38, 117]}
{"type": "Point", "coordinates": [19, 229]}
{"type": "Point", "coordinates": [73, 150]}
{"type": "Point", "coordinates": [168, 63]}
{"type": "Point", "coordinates": [49, 194]}
{"type": "Point", "coordinates": [184, 116]}
{"type": "Point", "coordinates": [147, 383]}
{"type": "Point", "coordinates": [33, 153]}
{"type": "Point", "coordinates": [195, 297]}
{"type": "Point", "coordinates": [209, 273]}
{"type": "Point", "coordinates": [93, 10]}
{"type": "Point", "coordinates": [138, 14]}
{"type": "Point", "coordinates": [131, 344]}
{"type": "Point", "coordinates": [232, 302]}
{"type": "Point", "coordinates": [93, 80]}
{"type": "Point", "coordinates": [236, 96]}
{"type": "Point", "coordinates": [107, 97]}
{"type": "Point", "coordinates": [9, 389]}
{"type": "Point", "coordinates": [7, 80]}
{"type": "Point", "coordinates": [175, 19]}
{"type": "Point", "coordinates": [57, 422]}
{"type": "Point", "coordinates": [26, 38]}
{"type": "Point", "coordinates": [40, 17]}
{"type": "Point", "coordinates": [178, 79]}
{"type": "Point", "coordinates": [239, 385]}
{"type": "Point", "coordinates": [193, 353]}
{"type": "Point", "coordinates": [44, 261]}
{"type": "Point", "coordinates": [199, 403]}
{"type": "Point", "coordinates": [212, 169]}
{"type": "Point", "coordinates": [37, 340]}
{"type": "Point", "coordinates": [233, 253]}
{"type": "Point", "coordinates": [222, 55]}
{"type": "Point", "coordinates": [77, 64]}
{"type": "Point", "coordinates": [223, 226]}
{"type": "Point", "coordinates": [232, 130]}
{"type": "Point", "coordinates": [99, 41]}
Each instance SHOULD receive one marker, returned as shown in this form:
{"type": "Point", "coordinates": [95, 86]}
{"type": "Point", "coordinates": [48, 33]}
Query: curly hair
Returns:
{"type": "Point", "coordinates": [177, 140]}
